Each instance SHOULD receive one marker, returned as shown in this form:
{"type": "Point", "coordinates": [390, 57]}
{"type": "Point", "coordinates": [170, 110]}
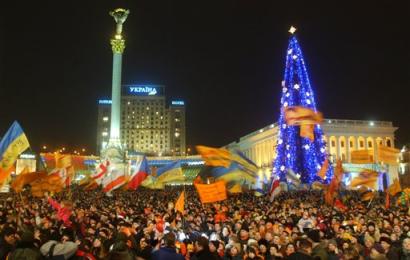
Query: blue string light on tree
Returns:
{"type": "Point", "coordinates": [296, 153]}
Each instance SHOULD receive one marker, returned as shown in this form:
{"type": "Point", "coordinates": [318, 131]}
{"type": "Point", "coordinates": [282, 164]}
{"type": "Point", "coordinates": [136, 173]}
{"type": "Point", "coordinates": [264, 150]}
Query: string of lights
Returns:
{"type": "Point", "coordinates": [295, 153]}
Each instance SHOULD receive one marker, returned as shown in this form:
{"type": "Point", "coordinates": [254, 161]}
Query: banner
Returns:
{"type": "Point", "coordinates": [307, 132]}
{"type": "Point", "coordinates": [179, 204]}
{"type": "Point", "coordinates": [322, 172]}
{"type": "Point", "coordinates": [214, 192]}
{"type": "Point", "coordinates": [302, 116]}
{"type": "Point", "coordinates": [366, 178]}
{"type": "Point", "coordinates": [214, 156]}
{"type": "Point", "coordinates": [388, 155]}
{"type": "Point", "coordinates": [361, 156]}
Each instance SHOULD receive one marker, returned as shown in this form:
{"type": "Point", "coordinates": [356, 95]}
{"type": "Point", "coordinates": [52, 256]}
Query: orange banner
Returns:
{"type": "Point", "coordinates": [302, 116]}
{"type": "Point", "coordinates": [366, 178]}
{"type": "Point", "coordinates": [362, 156]}
{"type": "Point", "coordinates": [214, 192]}
{"type": "Point", "coordinates": [307, 132]}
{"type": "Point", "coordinates": [180, 203]}
{"type": "Point", "coordinates": [322, 172]}
{"type": "Point", "coordinates": [395, 187]}
{"type": "Point", "coordinates": [388, 155]}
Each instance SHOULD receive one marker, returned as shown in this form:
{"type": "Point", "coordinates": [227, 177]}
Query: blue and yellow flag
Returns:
{"type": "Point", "coordinates": [233, 174]}
{"type": "Point", "coordinates": [12, 145]}
{"type": "Point", "coordinates": [220, 157]}
{"type": "Point", "coordinates": [171, 172]}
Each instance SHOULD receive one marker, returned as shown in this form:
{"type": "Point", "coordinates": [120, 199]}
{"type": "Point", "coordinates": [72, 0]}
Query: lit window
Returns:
{"type": "Point", "coordinates": [104, 134]}
{"type": "Point", "coordinates": [176, 134]}
{"type": "Point", "coordinates": [105, 119]}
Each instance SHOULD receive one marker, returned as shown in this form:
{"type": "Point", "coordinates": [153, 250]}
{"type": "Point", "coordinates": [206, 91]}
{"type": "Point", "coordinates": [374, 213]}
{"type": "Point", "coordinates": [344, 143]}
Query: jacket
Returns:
{"type": "Point", "coordinates": [67, 249]}
{"type": "Point", "coordinates": [63, 213]}
{"type": "Point", "coordinates": [25, 251]}
{"type": "Point", "coordinates": [166, 253]}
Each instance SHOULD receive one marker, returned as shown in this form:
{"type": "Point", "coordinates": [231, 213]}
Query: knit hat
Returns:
{"type": "Point", "coordinates": [314, 235]}
{"type": "Point", "coordinates": [379, 248]}
{"type": "Point", "coordinates": [215, 243]}
{"type": "Point", "coordinates": [385, 239]}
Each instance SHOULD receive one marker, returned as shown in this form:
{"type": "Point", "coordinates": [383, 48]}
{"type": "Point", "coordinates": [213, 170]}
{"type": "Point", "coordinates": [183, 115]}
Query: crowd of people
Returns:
{"type": "Point", "coordinates": [143, 224]}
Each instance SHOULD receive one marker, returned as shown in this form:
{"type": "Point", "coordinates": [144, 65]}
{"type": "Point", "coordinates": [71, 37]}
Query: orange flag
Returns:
{"type": "Point", "coordinates": [302, 116]}
{"type": "Point", "coordinates": [307, 132]}
{"type": "Point", "coordinates": [368, 195]}
{"type": "Point", "coordinates": [334, 183]}
{"type": "Point", "coordinates": [63, 160]}
{"type": "Point", "coordinates": [387, 205]}
{"type": "Point", "coordinates": [179, 205]}
{"type": "Point", "coordinates": [388, 155]}
{"type": "Point", "coordinates": [213, 192]}
{"type": "Point", "coordinates": [322, 172]}
{"type": "Point", "coordinates": [395, 187]}
{"type": "Point", "coordinates": [366, 178]}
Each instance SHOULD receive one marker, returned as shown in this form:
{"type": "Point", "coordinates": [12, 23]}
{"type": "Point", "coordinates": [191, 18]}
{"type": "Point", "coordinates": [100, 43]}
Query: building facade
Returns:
{"type": "Point", "coordinates": [342, 137]}
{"type": "Point", "coordinates": [148, 125]}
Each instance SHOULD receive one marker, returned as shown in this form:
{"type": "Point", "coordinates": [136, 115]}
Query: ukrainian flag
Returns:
{"type": "Point", "coordinates": [233, 174]}
{"type": "Point", "coordinates": [171, 172]}
{"type": "Point", "coordinates": [12, 145]}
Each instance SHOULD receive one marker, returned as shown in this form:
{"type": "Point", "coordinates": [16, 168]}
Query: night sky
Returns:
{"type": "Point", "coordinates": [224, 58]}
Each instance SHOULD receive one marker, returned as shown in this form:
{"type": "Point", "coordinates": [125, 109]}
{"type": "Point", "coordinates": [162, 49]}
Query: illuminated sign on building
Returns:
{"type": "Point", "coordinates": [104, 102]}
{"type": "Point", "coordinates": [178, 103]}
{"type": "Point", "coordinates": [145, 90]}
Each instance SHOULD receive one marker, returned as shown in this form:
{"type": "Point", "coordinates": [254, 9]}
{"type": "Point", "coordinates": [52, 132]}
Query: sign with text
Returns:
{"type": "Point", "coordinates": [145, 90]}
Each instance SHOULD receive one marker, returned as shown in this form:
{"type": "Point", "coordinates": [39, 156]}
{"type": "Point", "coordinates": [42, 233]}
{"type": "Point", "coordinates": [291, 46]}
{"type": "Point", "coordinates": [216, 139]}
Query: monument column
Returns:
{"type": "Point", "coordinates": [118, 46]}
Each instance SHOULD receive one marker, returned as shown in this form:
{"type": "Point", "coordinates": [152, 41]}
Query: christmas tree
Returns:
{"type": "Point", "coordinates": [301, 155]}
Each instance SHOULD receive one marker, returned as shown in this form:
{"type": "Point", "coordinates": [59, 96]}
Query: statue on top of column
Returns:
{"type": "Point", "coordinates": [120, 15]}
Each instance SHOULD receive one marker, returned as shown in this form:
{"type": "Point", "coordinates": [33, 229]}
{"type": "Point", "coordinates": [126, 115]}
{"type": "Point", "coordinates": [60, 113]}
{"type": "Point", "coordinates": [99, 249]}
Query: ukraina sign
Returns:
{"type": "Point", "coordinates": [144, 90]}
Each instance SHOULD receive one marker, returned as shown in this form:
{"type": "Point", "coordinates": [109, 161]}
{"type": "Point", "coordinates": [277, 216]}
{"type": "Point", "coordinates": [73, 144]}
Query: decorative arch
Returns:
{"type": "Point", "coordinates": [361, 143]}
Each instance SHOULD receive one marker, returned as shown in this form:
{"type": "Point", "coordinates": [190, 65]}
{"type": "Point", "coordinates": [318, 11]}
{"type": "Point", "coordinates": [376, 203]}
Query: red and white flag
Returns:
{"type": "Point", "coordinates": [101, 171]}
{"type": "Point", "coordinates": [275, 189]}
{"type": "Point", "coordinates": [113, 180]}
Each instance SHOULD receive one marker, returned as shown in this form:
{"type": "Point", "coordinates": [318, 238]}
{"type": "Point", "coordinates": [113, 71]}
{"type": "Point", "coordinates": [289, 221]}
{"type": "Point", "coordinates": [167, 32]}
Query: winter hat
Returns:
{"type": "Point", "coordinates": [215, 243]}
{"type": "Point", "coordinates": [314, 235]}
{"type": "Point", "coordinates": [27, 236]}
{"type": "Point", "coordinates": [385, 239]}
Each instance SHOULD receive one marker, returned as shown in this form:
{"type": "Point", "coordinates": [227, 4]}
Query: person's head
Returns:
{"type": "Point", "coordinates": [290, 249]}
{"type": "Point", "coordinates": [8, 234]}
{"type": "Point", "coordinates": [225, 231]}
{"type": "Point", "coordinates": [268, 236]}
{"type": "Point", "coordinates": [251, 253]}
{"type": "Point", "coordinates": [332, 246]}
{"type": "Point", "coordinates": [368, 241]}
{"type": "Point", "coordinates": [305, 245]}
{"type": "Point", "coordinates": [406, 244]}
{"type": "Point", "coordinates": [385, 242]}
{"type": "Point", "coordinates": [201, 244]}
{"type": "Point", "coordinates": [263, 249]}
{"type": "Point", "coordinates": [235, 250]}
{"type": "Point", "coordinates": [213, 245]}
{"type": "Point", "coordinates": [305, 215]}
{"type": "Point", "coordinates": [169, 239]}
{"type": "Point", "coordinates": [370, 227]}
{"type": "Point", "coordinates": [276, 240]}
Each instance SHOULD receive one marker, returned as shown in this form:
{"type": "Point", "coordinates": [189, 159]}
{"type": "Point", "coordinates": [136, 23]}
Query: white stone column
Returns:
{"type": "Point", "coordinates": [347, 149]}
